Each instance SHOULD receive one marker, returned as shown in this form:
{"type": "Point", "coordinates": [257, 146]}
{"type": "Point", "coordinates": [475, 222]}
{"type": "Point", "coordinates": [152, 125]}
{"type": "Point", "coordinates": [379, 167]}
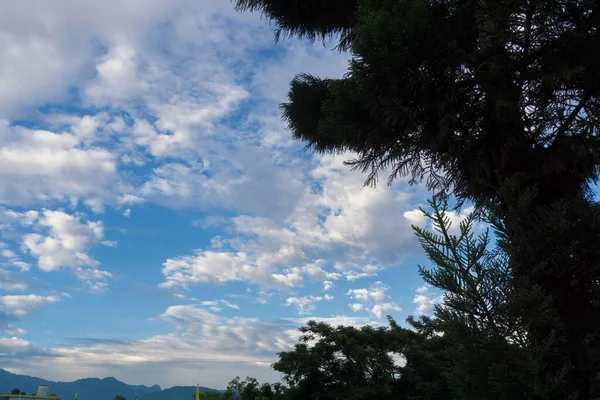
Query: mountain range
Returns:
{"type": "Point", "coordinates": [94, 388]}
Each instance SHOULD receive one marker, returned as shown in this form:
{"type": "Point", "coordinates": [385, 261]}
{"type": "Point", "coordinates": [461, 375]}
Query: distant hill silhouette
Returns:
{"type": "Point", "coordinates": [94, 388]}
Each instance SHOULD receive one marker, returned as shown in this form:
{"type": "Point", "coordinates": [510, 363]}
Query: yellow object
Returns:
{"type": "Point", "coordinates": [198, 392]}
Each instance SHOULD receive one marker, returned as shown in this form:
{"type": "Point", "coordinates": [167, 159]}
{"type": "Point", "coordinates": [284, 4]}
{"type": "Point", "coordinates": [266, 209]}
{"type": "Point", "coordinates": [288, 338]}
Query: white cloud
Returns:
{"type": "Point", "coordinates": [230, 305]}
{"type": "Point", "coordinates": [117, 77]}
{"type": "Point", "coordinates": [14, 345]}
{"type": "Point", "coordinates": [305, 304]}
{"type": "Point", "coordinates": [425, 301]}
{"type": "Point", "coordinates": [109, 51]}
{"type": "Point", "coordinates": [15, 331]}
{"type": "Point", "coordinates": [4, 285]}
{"type": "Point", "coordinates": [12, 259]}
{"type": "Point", "coordinates": [373, 299]}
{"type": "Point", "coordinates": [65, 241]}
{"type": "Point", "coordinates": [376, 293]}
{"type": "Point", "coordinates": [417, 218]}
{"type": "Point", "coordinates": [380, 310]}
{"type": "Point", "coordinates": [47, 48]}
{"type": "Point", "coordinates": [41, 165]}
{"type": "Point", "coordinates": [263, 297]}
{"type": "Point", "coordinates": [188, 317]}
{"type": "Point", "coordinates": [22, 305]}
{"type": "Point", "coordinates": [230, 347]}
{"type": "Point", "coordinates": [94, 279]}
{"type": "Point", "coordinates": [130, 199]}
{"type": "Point", "coordinates": [343, 222]}
{"type": "Point", "coordinates": [356, 307]}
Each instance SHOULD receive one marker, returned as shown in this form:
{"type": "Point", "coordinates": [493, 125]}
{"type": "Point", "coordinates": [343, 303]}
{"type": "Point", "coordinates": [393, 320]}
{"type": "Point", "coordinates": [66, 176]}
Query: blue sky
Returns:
{"type": "Point", "coordinates": [157, 222]}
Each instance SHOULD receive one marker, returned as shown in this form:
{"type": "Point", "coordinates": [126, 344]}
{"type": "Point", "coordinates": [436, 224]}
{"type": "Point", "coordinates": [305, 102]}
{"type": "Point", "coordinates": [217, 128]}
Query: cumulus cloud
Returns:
{"type": "Point", "coordinates": [64, 242]}
{"type": "Point", "coordinates": [306, 304]}
{"type": "Point", "coordinates": [116, 77]}
{"type": "Point", "coordinates": [425, 300]}
{"type": "Point", "coordinates": [22, 305]}
{"type": "Point", "coordinates": [341, 229]}
{"type": "Point", "coordinates": [373, 300]}
{"type": "Point", "coordinates": [39, 165]}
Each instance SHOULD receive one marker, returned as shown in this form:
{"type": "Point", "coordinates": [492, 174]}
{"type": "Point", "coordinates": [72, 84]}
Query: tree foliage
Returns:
{"type": "Point", "coordinates": [251, 389]}
{"type": "Point", "coordinates": [344, 362]}
{"type": "Point", "coordinates": [210, 395]}
{"type": "Point", "coordinates": [495, 102]}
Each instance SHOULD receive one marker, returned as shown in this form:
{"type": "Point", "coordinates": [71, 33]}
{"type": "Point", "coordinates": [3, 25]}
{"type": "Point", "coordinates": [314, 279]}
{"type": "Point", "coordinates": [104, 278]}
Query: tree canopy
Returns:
{"type": "Point", "coordinates": [494, 102]}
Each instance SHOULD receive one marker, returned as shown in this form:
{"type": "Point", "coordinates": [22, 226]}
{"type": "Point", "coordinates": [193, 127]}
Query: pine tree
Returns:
{"type": "Point", "coordinates": [489, 345]}
{"type": "Point", "coordinates": [496, 102]}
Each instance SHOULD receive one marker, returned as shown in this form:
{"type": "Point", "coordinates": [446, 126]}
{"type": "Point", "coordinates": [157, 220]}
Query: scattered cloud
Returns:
{"type": "Point", "coordinates": [40, 165]}
{"type": "Point", "coordinates": [64, 241]}
{"type": "Point", "coordinates": [306, 304]}
{"type": "Point", "coordinates": [123, 111]}
{"type": "Point", "coordinates": [373, 299]}
{"type": "Point", "coordinates": [425, 300]}
{"type": "Point", "coordinates": [349, 226]}
{"type": "Point", "coordinates": [22, 305]}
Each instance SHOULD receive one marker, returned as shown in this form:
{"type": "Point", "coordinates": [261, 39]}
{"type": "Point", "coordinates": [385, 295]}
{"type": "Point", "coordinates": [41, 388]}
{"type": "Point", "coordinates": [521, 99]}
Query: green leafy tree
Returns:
{"type": "Point", "coordinates": [495, 102]}
{"type": "Point", "coordinates": [210, 395]}
{"type": "Point", "coordinates": [15, 391]}
{"type": "Point", "coordinates": [120, 397]}
{"type": "Point", "coordinates": [342, 363]}
{"type": "Point", "coordinates": [248, 389]}
{"type": "Point", "coordinates": [251, 389]}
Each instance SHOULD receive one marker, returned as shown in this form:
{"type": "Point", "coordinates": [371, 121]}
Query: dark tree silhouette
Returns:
{"type": "Point", "coordinates": [495, 102]}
